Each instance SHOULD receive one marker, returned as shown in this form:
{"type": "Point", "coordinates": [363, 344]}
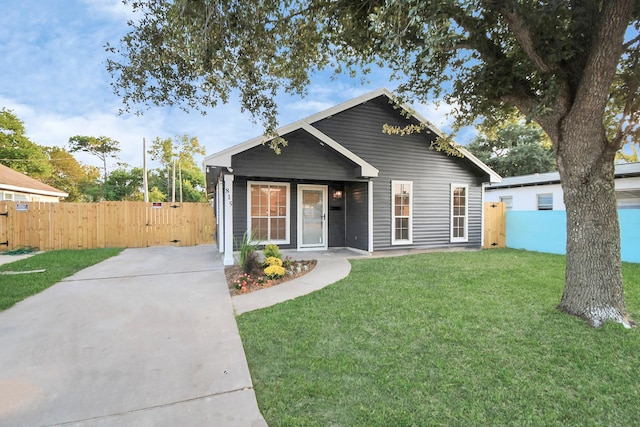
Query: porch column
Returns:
{"type": "Point", "coordinates": [370, 216]}
{"type": "Point", "coordinates": [228, 220]}
{"type": "Point", "coordinates": [220, 215]}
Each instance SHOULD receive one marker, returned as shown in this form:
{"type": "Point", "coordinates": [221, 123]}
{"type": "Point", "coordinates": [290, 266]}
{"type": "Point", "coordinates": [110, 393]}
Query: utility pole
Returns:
{"type": "Point", "coordinates": [173, 189]}
{"type": "Point", "coordinates": [145, 183]}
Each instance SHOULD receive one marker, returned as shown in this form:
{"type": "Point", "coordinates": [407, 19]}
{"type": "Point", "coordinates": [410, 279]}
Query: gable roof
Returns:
{"type": "Point", "coordinates": [622, 170]}
{"type": "Point", "coordinates": [13, 180]}
{"type": "Point", "coordinates": [223, 158]}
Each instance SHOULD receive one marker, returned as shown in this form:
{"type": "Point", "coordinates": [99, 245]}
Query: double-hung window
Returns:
{"type": "Point", "coordinates": [459, 212]}
{"type": "Point", "coordinates": [402, 212]}
{"type": "Point", "coordinates": [268, 206]}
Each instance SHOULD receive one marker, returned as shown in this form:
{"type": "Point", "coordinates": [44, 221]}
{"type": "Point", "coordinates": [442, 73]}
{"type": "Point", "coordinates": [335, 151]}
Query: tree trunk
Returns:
{"type": "Point", "coordinates": [593, 279]}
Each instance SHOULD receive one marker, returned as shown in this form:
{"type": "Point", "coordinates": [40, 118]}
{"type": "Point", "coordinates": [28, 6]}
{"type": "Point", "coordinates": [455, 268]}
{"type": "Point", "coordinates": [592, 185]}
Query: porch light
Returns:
{"type": "Point", "coordinates": [337, 194]}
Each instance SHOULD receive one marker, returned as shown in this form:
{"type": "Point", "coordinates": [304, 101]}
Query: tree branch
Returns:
{"type": "Point", "coordinates": [593, 89]}
{"type": "Point", "coordinates": [523, 36]}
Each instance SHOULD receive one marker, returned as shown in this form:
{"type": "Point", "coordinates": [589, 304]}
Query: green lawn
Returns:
{"type": "Point", "coordinates": [459, 338]}
{"type": "Point", "coordinates": [58, 265]}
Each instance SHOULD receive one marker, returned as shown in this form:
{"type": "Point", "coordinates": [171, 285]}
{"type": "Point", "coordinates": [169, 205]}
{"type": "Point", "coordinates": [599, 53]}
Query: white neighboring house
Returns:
{"type": "Point", "coordinates": [18, 187]}
{"type": "Point", "coordinates": [543, 191]}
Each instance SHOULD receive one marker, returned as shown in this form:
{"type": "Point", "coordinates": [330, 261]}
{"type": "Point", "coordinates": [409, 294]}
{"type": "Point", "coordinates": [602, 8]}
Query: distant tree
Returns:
{"type": "Point", "coordinates": [124, 184]}
{"type": "Point", "coordinates": [182, 150]}
{"type": "Point", "coordinates": [514, 149]}
{"type": "Point", "coordinates": [623, 157]}
{"type": "Point", "coordinates": [101, 147]}
{"type": "Point", "coordinates": [17, 151]}
{"type": "Point", "coordinates": [68, 174]}
{"type": "Point", "coordinates": [156, 195]}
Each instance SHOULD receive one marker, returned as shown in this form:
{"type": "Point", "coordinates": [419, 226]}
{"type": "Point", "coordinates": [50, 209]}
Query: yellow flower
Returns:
{"type": "Point", "coordinates": [274, 271]}
{"type": "Point", "coordinates": [272, 261]}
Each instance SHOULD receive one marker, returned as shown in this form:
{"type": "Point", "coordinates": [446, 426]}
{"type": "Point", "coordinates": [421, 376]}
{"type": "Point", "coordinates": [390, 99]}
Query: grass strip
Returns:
{"type": "Point", "coordinates": [465, 338]}
{"type": "Point", "coordinates": [57, 265]}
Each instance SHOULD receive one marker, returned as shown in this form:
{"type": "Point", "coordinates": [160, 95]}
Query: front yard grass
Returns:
{"type": "Point", "coordinates": [58, 265]}
{"type": "Point", "coordinates": [459, 338]}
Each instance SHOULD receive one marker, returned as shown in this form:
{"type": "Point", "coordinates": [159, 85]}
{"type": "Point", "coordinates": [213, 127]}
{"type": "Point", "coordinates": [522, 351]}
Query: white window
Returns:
{"type": "Point", "coordinates": [401, 212]}
{"type": "Point", "coordinates": [268, 212]}
{"type": "Point", "coordinates": [459, 209]}
{"type": "Point", "coordinates": [545, 202]}
{"type": "Point", "coordinates": [508, 202]}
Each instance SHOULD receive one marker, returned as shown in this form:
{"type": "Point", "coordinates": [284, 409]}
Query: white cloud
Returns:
{"type": "Point", "coordinates": [113, 8]}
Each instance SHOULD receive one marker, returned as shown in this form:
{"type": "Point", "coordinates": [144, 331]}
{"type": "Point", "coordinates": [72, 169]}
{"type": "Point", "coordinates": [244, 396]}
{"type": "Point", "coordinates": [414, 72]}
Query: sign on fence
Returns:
{"type": "Point", "coordinates": [48, 226]}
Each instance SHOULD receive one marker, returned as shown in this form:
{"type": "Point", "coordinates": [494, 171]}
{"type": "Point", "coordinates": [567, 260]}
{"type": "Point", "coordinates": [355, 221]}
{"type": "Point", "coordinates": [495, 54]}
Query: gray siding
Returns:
{"type": "Point", "coordinates": [409, 158]}
{"type": "Point", "coordinates": [303, 158]}
{"type": "Point", "coordinates": [357, 226]}
{"type": "Point", "coordinates": [337, 218]}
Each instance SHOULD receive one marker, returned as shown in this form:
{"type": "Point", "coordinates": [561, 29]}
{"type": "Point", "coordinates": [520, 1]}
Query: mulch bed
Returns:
{"type": "Point", "coordinates": [258, 281]}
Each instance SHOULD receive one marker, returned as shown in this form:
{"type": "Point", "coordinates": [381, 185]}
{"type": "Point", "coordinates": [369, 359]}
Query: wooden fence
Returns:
{"type": "Point", "coordinates": [49, 226]}
{"type": "Point", "coordinates": [495, 225]}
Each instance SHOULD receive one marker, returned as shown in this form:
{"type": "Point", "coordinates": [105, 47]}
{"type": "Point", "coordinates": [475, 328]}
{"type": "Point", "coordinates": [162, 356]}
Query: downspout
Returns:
{"type": "Point", "coordinates": [370, 216]}
{"type": "Point", "coordinates": [482, 216]}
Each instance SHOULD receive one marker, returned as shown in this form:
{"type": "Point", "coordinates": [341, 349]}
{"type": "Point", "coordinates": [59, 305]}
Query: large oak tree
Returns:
{"type": "Point", "coordinates": [569, 65]}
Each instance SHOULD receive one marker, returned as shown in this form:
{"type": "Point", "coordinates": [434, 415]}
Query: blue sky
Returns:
{"type": "Point", "coordinates": [54, 78]}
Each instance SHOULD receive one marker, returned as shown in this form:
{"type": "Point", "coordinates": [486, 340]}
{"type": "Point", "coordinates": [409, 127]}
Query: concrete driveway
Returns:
{"type": "Point", "coordinates": [147, 338]}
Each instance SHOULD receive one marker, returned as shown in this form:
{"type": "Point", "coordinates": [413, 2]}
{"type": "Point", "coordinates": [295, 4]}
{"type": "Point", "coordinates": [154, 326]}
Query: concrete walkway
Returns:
{"type": "Point", "coordinates": [147, 338]}
{"type": "Point", "coordinates": [332, 265]}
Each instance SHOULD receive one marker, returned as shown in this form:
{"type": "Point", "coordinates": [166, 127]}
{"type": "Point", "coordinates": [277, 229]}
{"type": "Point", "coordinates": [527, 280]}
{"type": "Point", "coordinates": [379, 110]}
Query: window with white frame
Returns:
{"type": "Point", "coordinates": [402, 212]}
{"type": "Point", "coordinates": [545, 202]}
{"type": "Point", "coordinates": [459, 212]}
{"type": "Point", "coordinates": [268, 211]}
{"type": "Point", "coordinates": [508, 202]}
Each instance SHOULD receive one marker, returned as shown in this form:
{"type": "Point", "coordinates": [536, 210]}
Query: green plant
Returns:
{"type": "Point", "coordinates": [464, 338]}
{"type": "Point", "coordinates": [248, 256]}
{"type": "Point", "coordinates": [272, 250]}
{"type": "Point", "coordinates": [56, 265]}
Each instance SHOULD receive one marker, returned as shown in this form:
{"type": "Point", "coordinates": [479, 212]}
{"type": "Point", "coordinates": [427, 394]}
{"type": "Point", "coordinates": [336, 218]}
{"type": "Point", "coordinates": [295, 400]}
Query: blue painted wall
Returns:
{"type": "Point", "coordinates": [545, 231]}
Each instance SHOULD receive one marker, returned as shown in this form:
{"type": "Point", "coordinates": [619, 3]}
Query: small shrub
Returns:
{"type": "Point", "coordinates": [271, 250]}
{"type": "Point", "coordinates": [272, 261]}
{"type": "Point", "coordinates": [287, 262]}
{"type": "Point", "coordinates": [274, 271]}
{"type": "Point", "coordinates": [248, 255]}
{"type": "Point", "coordinates": [243, 282]}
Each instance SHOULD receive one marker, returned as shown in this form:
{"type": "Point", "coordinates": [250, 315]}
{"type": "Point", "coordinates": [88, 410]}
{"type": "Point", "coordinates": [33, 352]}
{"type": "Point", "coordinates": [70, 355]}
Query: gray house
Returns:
{"type": "Point", "coordinates": [342, 182]}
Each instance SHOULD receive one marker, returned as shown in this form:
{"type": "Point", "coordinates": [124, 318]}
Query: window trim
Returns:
{"type": "Point", "coordinates": [395, 241]}
{"type": "Point", "coordinates": [287, 239]}
{"type": "Point", "coordinates": [466, 213]}
{"type": "Point", "coordinates": [547, 207]}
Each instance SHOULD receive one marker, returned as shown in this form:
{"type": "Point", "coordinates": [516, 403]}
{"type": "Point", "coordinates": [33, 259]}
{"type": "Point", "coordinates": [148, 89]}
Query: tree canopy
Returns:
{"type": "Point", "coordinates": [17, 151]}
{"type": "Point", "coordinates": [514, 148]}
{"type": "Point", "coordinates": [569, 65]}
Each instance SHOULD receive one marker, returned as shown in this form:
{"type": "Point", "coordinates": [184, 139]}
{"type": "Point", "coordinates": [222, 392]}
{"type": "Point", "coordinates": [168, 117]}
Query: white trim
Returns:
{"type": "Point", "coordinates": [367, 170]}
{"type": "Point", "coordinates": [223, 158]}
{"type": "Point", "coordinates": [394, 240]}
{"type": "Point", "coordinates": [325, 228]}
{"type": "Point", "coordinates": [28, 190]}
{"type": "Point", "coordinates": [287, 238]}
{"type": "Point", "coordinates": [220, 215]}
{"type": "Point", "coordinates": [228, 220]}
{"type": "Point", "coordinates": [370, 216]}
{"type": "Point", "coordinates": [466, 213]}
